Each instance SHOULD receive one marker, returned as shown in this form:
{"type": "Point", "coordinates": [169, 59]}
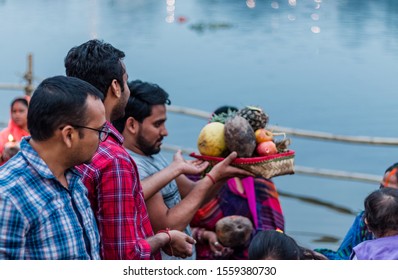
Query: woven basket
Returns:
{"type": "Point", "coordinates": [267, 167]}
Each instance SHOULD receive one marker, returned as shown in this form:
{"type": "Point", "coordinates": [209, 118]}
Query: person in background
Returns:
{"type": "Point", "coordinates": [253, 197]}
{"type": "Point", "coordinates": [112, 177]}
{"type": "Point", "coordinates": [358, 231]}
{"type": "Point", "coordinates": [276, 245]}
{"type": "Point", "coordinates": [16, 129]}
{"type": "Point", "coordinates": [171, 198]}
{"type": "Point", "coordinates": [44, 210]}
{"type": "Point", "coordinates": [381, 218]}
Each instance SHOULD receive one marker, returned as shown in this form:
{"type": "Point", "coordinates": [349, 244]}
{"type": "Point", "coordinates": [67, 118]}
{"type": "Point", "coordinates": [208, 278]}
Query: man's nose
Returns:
{"type": "Point", "coordinates": [164, 132]}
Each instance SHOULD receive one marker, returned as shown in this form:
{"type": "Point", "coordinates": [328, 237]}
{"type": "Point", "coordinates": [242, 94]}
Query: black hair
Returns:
{"type": "Point", "coordinates": [381, 211]}
{"type": "Point", "coordinates": [96, 62]}
{"type": "Point", "coordinates": [271, 244]}
{"type": "Point", "coordinates": [275, 245]}
{"type": "Point", "coordinates": [394, 165]}
{"type": "Point", "coordinates": [143, 96]}
{"type": "Point", "coordinates": [22, 100]}
{"type": "Point", "coordinates": [57, 101]}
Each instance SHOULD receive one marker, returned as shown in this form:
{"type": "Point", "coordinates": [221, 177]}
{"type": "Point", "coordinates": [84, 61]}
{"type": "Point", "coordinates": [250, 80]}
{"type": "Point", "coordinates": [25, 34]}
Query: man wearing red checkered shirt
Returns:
{"type": "Point", "coordinates": [112, 178]}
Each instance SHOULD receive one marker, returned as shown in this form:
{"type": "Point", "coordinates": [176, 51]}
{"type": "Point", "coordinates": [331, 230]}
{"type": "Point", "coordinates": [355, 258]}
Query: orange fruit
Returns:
{"type": "Point", "coordinates": [263, 135]}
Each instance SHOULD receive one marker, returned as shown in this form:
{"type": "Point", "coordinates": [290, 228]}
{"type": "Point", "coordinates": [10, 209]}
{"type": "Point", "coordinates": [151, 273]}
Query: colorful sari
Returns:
{"type": "Point", "coordinates": [259, 202]}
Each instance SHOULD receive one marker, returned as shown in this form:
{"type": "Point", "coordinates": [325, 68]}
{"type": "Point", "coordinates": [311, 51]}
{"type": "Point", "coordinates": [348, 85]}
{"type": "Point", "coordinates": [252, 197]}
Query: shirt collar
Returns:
{"type": "Point", "coordinates": [114, 132]}
{"type": "Point", "coordinates": [33, 158]}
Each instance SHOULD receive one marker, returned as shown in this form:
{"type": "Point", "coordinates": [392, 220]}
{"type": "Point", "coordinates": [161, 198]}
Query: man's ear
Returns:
{"type": "Point", "coordinates": [131, 125]}
{"type": "Point", "coordinates": [67, 134]}
{"type": "Point", "coordinates": [115, 88]}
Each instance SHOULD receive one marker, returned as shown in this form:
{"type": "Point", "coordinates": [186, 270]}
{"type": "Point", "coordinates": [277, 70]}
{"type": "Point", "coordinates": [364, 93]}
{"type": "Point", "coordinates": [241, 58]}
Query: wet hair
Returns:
{"type": "Point", "coordinates": [381, 211]}
{"type": "Point", "coordinates": [58, 101]}
{"type": "Point", "coordinates": [275, 245]}
{"type": "Point", "coordinates": [143, 96]}
{"type": "Point", "coordinates": [96, 62]}
{"type": "Point", "coordinates": [22, 100]}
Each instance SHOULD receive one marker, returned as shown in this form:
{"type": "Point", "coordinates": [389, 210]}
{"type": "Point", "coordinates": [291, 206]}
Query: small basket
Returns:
{"type": "Point", "coordinates": [267, 166]}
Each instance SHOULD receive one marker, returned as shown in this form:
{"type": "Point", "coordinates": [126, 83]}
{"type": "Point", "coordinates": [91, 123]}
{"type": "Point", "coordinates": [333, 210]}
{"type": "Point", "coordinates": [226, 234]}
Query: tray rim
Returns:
{"type": "Point", "coordinates": [251, 160]}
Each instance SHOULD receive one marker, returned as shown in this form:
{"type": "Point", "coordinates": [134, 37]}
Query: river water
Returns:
{"type": "Point", "coordinates": [322, 65]}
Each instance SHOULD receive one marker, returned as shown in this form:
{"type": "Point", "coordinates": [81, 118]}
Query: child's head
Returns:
{"type": "Point", "coordinates": [234, 231]}
{"type": "Point", "coordinates": [381, 212]}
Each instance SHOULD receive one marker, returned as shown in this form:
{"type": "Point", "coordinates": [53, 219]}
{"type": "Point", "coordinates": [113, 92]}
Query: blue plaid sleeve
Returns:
{"type": "Point", "coordinates": [12, 230]}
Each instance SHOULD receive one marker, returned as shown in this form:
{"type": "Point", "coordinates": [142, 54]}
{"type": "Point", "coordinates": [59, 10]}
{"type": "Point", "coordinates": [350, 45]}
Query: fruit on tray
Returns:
{"type": "Point", "coordinates": [222, 117]}
{"type": "Point", "coordinates": [211, 140]}
{"type": "Point", "coordinates": [239, 136]}
{"type": "Point", "coordinates": [256, 117]}
{"type": "Point", "coordinates": [243, 131]}
{"type": "Point", "coordinates": [282, 145]}
{"type": "Point", "coordinates": [266, 148]}
{"type": "Point", "coordinates": [263, 135]}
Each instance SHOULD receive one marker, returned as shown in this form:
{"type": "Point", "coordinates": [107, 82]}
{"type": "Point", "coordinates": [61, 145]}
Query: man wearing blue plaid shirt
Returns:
{"type": "Point", "coordinates": [44, 211]}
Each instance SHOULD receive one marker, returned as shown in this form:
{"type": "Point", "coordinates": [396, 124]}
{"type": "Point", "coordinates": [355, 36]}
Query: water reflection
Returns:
{"type": "Point", "coordinates": [318, 202]}
{"type": "Point", "coordinates": [251, 4]}
{"type": "Point", "coordinates": [359, 19]}
{"type": "Point", "coordinates": [170, 11]}
{"type": "Point", "coordinates": [356, 19]}
{"type": "Point", "coordinates": [201, 27]}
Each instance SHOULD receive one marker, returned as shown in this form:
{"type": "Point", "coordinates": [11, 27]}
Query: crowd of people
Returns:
{"type": "Point", "coordinates": [82, 177]}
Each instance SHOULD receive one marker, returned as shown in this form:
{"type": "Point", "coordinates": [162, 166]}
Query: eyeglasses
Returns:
{"type": "Point", "coordinates": [102, 133]}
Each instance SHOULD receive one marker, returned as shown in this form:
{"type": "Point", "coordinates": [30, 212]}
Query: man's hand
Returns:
{"type": "Point", "coordinates": [189, 167]}
{"type": "Point", "coordinates": [224, 169]}
{"type": "Point", "coordinates": [180, 245]}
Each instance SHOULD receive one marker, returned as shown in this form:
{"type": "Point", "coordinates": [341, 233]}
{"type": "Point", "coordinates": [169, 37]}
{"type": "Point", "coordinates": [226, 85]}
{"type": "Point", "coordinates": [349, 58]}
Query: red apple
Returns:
{"type": "Point", "coordinates": [263, 135]}
{"type": "Point", "coordinates": [266, 148]}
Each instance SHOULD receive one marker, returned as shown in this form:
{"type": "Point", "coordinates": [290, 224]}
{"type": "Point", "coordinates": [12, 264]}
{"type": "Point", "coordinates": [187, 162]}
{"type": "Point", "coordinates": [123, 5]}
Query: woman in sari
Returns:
{"type": "Point", "coordinates": [16, 129]}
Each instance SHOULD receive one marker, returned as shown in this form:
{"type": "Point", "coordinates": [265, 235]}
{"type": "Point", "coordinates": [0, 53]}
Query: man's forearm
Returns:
{"type": "Point", "coordinates": [158, 241]}
{"type": "Point", "coordinates": [154, 183]}
{"type": "Point", "coordinates": [180, 215]}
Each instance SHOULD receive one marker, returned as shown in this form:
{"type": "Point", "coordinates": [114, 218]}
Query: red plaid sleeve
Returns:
{"type": "Point", "coordinates": [118, 202]}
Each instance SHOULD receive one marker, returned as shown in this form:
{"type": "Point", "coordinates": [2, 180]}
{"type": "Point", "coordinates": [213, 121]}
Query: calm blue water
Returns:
{"type": "Point", "coordinates": [324, 65]}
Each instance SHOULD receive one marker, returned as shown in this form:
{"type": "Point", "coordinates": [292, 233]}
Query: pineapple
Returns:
{"type": "Point", "coordinates": [222, 117]}
{"type": "Point", "coordinates": [256, 117]}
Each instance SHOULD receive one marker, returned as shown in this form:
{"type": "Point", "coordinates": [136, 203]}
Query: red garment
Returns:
{"type": "Point", "coordinates": [14, 130]}
{"type": "Point", "coordinates": [116, 197]}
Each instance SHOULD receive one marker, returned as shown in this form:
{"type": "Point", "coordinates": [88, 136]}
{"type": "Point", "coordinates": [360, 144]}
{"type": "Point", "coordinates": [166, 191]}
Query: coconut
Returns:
{"type": "Point", "coordinates": [239, 136]}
